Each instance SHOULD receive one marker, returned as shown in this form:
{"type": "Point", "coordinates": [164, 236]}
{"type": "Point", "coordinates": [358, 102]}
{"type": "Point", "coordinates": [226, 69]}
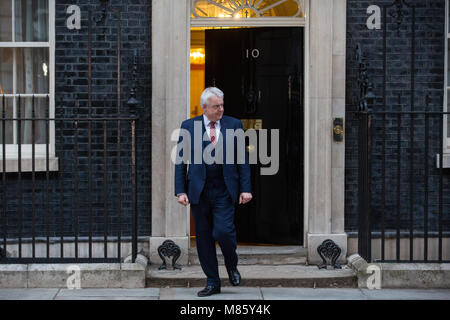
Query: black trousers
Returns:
{"type": "Point", "coordinates": [214, 221]}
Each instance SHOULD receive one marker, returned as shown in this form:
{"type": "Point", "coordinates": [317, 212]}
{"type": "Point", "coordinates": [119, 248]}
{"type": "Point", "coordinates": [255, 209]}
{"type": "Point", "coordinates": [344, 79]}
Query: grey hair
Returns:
{"type": "Point", "coordinates": [208, 93]}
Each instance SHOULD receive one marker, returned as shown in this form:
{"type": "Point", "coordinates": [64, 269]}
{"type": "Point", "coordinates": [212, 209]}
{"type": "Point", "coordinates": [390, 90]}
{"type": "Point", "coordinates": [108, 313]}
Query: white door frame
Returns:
{"type": "Point", "coordinates": [270, 22]}
{"type": "Point", "coordinates": [324, 98]}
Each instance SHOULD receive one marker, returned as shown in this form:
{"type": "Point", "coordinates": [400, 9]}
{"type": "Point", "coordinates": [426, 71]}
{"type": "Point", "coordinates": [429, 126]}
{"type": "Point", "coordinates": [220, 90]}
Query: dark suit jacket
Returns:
{"type": "Point", "coordinates": [192, 180]}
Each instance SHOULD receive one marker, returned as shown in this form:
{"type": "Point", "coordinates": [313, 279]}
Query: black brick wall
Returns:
{"type": "Point", "coordinates": [71, 73]}
{"type": "Point", "coordinates": [429, 80]}
{"type": "Point", "coordinates": [71, 86]}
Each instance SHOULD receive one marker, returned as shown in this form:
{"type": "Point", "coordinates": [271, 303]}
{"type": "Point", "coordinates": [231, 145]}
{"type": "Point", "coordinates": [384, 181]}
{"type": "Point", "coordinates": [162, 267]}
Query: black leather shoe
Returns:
{"type": "Point", "coordinates": [209, 290]}
{"type": "Point", "coordinates": [235, 277]}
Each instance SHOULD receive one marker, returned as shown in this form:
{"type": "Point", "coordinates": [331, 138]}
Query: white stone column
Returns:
{"type": "Point", "coordinates": [338, 111]}
{"type": "Point", "coordinates": [170, 99]}
{"type": "Point", "coordinates": [327, 27]}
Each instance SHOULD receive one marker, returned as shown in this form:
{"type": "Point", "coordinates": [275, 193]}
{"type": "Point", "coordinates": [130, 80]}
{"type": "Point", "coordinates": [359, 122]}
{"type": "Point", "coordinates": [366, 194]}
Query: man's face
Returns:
{"type": "Point", "coordinates": [214, 110]}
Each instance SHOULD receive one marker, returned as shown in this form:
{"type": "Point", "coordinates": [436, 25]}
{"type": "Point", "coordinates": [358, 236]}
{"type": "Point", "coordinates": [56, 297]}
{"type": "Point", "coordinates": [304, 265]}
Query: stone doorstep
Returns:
{"type": "Point", "coordinates": [261, 255]}
{"type": "Point", "coordinates": [257, 276]}
{"type": "Point", "coordinates": [92, 275]}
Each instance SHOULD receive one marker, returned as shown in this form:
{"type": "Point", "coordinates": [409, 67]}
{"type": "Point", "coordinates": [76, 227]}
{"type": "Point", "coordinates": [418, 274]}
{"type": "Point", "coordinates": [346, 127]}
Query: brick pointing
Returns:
{"type": "Point", "coordinates": [429, 80]}
{"type": "Point", "coordinates": [71, 80]}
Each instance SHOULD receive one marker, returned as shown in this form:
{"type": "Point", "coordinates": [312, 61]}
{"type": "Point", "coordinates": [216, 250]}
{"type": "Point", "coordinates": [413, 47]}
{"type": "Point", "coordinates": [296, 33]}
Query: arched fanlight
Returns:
{"type": "Point", "coordinates": [247, 8]}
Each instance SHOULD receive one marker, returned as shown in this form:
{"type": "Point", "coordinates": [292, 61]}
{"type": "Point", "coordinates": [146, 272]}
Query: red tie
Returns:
{"type": "Point", "coordinates": [212, 133]}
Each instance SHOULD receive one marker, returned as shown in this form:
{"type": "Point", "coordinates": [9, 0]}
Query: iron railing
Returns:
{"type": "Point", "coordinates": [403, 189]}
{"type": "Point", "coordinates": [79, 208]}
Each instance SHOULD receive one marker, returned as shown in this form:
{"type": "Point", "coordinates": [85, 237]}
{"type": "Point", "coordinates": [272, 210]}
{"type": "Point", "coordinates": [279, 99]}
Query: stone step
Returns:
{"type": "Point", "coordinates": [261, 255]}
{"type": "Point", "coordinates": [257, 276]}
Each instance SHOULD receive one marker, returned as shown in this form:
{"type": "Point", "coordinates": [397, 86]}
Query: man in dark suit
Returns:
{"type": "Point", "coordinates": [213, 188]}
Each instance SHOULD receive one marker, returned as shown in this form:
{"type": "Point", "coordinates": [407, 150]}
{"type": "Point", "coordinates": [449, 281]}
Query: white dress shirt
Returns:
{"type": "Point", "coordinates": [208, 129]}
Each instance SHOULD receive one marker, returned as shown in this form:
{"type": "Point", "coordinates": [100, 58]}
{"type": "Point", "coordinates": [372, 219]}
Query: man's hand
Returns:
{"type": "Point", "coordinates": [245, 197]}
{"type": "Point", "coordinates": [183, 199]}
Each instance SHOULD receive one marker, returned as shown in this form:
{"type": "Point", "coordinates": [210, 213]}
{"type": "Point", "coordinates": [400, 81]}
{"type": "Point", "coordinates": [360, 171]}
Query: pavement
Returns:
{"type": "Point", "coordinates": [228, 293]}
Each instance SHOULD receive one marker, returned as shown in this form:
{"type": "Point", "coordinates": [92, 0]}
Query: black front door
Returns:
{"type": "Point", "coordinates": [260, 70]}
